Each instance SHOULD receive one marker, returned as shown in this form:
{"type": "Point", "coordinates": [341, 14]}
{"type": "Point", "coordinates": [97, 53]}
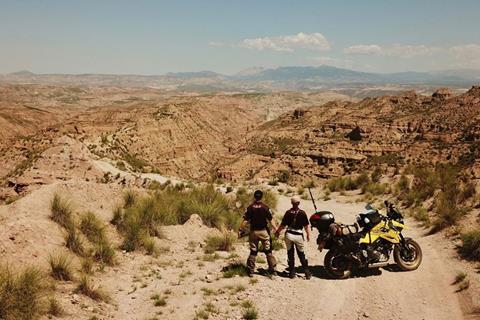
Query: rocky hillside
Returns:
{"type": "Point", "coordinates": [344, 137]}
{"type": "Point", "coordinates": [141, 130]}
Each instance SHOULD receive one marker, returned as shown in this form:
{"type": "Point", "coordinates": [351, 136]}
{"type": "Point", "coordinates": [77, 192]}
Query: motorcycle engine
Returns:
{"type": "Point", "coordinates": [379, 253]}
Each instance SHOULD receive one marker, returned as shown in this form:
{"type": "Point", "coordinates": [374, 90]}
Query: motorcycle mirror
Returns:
{"type": "Point", "coordinates": [369, 206]}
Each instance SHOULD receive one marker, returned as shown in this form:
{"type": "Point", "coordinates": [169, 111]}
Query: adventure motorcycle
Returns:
{"type": "Point", "coordinates": [366, 244]}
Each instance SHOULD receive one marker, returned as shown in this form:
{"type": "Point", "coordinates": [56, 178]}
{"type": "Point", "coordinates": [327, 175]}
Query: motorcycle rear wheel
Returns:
{"type": "Point", "coordinates": [332, 267]}
{"type": "Point", "coordinates": [409, 258]}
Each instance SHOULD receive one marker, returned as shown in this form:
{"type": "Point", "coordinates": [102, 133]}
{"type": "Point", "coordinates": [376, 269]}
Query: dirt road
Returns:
{"type": "Point", "coordinates": [426, 293]}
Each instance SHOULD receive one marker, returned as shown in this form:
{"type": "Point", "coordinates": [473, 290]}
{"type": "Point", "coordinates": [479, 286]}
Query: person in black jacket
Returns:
{"type": "Point", "coordinates": [295, 221]}
{"type": "Point", "coordinates": [259, 216]}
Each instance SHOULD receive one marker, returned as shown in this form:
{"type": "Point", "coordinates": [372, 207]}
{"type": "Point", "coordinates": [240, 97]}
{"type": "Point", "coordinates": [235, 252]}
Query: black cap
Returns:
{"type": "Point", "coordinates": [258, 194]}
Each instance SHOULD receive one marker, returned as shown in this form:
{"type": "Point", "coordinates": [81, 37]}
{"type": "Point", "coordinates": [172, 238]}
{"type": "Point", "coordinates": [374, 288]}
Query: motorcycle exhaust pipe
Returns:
{"type": "Point", "coordinates": [378, 264]}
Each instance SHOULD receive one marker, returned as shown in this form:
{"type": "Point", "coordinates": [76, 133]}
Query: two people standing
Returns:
{"type": "Point", "coordinates": [260, 217]}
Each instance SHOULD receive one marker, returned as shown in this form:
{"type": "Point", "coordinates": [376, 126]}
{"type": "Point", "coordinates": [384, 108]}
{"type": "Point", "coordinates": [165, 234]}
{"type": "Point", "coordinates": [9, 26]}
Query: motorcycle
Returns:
{"type": "Point", "coordinates": [368, 243]}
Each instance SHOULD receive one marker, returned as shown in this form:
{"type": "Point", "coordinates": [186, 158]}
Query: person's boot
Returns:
{"type": "Point", "coordinates": [304, 262]}
{"type": "Point", "coordinates": [251, 265]}
{"type": "Point", "coordinates": [272, 263]}
{"type": "Point", "coordinates": [291, 263]}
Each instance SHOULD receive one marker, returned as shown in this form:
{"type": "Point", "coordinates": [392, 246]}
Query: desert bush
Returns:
{"type": "Point", "coordinates": [86, 265]}
{"type": "Point", "coordinates": [347, 183]}
{"type": "Point", "coordinates": [23, 294]}
{"type": "Point", "coordinates": [172, 206]}
{"type": "Point", "coordinates": [150, 246]}
{"type": "Point", "coordinates": [376, 174]}
{"type": "Point", "coordinates": [375, 189]}
{"type": "Point", "coordinates": [222, 242]}
{"type": "Point", "coordinates": [60, 267]}
{"type": "Point", "coordinates": [92, 227]}
{"type": "Point", "coordinates": [129, 198]}
{"type": "Point", "coordinates": [459, 277]}
{"type": "Point", "coordinates": [117, 216]}
{"type": "Point", "coordinates": [104, 252]}
{"type": "Point", "coordinates": [86, 288]}
{"type": "Point", "coordinates": [403, 184]}
{"type": "Point", "coordinates": [61, 211]}
{"type": "Point", "coordinates": [73, 241]}
{"type": "Point", "coordinates": [55, 308]}
{"type": "Point", "coordinates": [468, 191]}
{"type": "Point", "coordinates": [250, 313]}
{"type": "Point", "coordinates": [470, 247]}
{"type": "Point", "coordinates": [421, 214]}
{"type": "Point", "coordinates": [283, 176]}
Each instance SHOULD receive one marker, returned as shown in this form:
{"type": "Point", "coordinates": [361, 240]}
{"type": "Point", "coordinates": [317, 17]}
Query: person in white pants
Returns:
{"type": "Point", "coordinates": [295, 221]}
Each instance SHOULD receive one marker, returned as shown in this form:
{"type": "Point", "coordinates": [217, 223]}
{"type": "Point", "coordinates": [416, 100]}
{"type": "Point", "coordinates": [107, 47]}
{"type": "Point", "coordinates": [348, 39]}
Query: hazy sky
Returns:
{"type": "Point", "coordinates": [154, 37]}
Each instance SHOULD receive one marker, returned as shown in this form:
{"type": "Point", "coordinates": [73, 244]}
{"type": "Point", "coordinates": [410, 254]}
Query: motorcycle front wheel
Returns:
{"type": "Point", "coordinates": [408, 256]}
{"type": "Point", "coordinates": [337, 265]}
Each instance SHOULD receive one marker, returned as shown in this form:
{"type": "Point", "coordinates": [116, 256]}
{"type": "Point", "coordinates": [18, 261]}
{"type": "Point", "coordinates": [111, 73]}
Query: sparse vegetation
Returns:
{"type": "Point", "coordinates": [470, 247]}
{"type": "Point", "coordinates": [60, 267]}
{"type": "Point", "coordinates": [223, 242]}
{"type": "Point", "coordinates": [235, 269]}
{"type": "Point", "coordinates": [22, 294]}
{"type": "Point", "coordinates": [143, 217]}
{"type": "Point", "coordinates": [130, 197]}
{"type": "Point", "coordinates": [86, 288]}
{"type": "Point", "coordinates": [158, 300]}
{"type": "Point", "coordinates": [73, 241]}
{"type": "Point", "coordinates": [55, 308]}
{"type": "Point", "coordinates": [92, 228]}
{"type": "Point", "coordinates": [103, 252]}
{"type": "Point", "coordinates": [249, 312]}
{"type": "Point", "coordinates": [459, 277]}
{"type": "Point", "coordinates": [61, 211]}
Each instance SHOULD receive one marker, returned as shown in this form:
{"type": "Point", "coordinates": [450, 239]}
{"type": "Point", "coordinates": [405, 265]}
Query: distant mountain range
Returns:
{"type": "Point", "coordinates": [261, 79]}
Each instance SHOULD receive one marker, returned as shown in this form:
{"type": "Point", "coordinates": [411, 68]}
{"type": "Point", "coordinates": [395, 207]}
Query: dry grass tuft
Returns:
{"type": "Point", "coordinates": [60, 267]}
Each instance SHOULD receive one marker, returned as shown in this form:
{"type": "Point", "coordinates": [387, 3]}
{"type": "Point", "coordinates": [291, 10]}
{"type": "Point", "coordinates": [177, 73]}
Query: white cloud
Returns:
{"type": "Point", "coordinates": [288, 43]}
{"type": "Point", "coordinates": [467, 55]}
{"type": "Point", "coordinates": [394, 50]}
{"type": "Point", "coordinates": [363, 49]}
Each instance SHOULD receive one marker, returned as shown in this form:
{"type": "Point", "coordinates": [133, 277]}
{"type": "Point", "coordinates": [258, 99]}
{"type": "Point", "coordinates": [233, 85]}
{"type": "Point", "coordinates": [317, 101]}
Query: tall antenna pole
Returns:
{"type": "Point", "coordinates": [313, 200]}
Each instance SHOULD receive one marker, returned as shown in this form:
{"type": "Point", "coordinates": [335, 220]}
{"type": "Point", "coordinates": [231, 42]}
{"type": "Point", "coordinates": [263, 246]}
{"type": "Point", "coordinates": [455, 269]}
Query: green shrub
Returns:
{"type": "Point", "coordinates": [92, 228]}
{"type": "Point", "coordinates": [222, 242]}
{"type": "Point", "coordinates": [104, 252]}
{"type": "Point", "coordinates": [117, 216]}
{"type": "Point", "coordinates": [22, 294]}
{"type": "Point", "coordinates": [421, 214]}
{"type": "Point", "coordinates": [470, 247]}
{"type": "Point", "coordinates": [403, 184]}
{"type": "Point", "coordinates": [129, 198]}
{"type": "Point", "coordinates": [73, 241]}
{"type": "Point", "coordinates": [61, 211]}
{"type": "Point", "coordinates": [60, 267]}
